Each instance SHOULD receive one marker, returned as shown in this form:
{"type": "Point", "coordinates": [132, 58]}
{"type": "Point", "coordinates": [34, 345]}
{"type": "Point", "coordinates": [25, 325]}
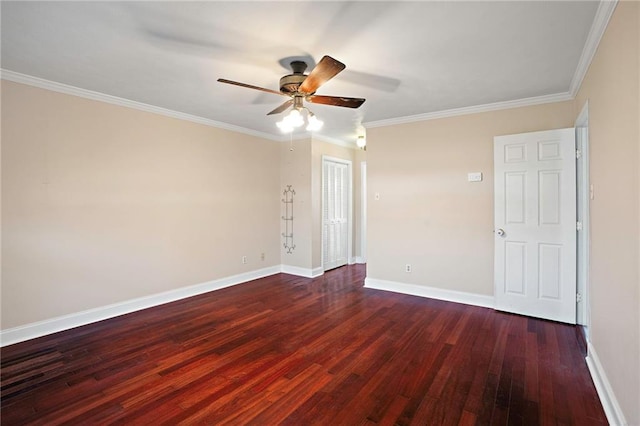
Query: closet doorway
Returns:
{"type": "Point", "coordinates": [336, 212]}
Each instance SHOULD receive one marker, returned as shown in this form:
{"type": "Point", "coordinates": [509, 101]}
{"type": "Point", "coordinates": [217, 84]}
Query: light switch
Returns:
{"type": "Point", "coordinates": [376, 196]}
{"type": "Point", "coordinates": [474, 177]}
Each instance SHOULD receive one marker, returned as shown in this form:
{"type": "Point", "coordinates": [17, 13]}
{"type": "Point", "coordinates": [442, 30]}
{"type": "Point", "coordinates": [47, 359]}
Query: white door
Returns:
{"type": "Point", "coordinates": [336, 184]}
{"type": "Point", "coordinates": [535, 224]}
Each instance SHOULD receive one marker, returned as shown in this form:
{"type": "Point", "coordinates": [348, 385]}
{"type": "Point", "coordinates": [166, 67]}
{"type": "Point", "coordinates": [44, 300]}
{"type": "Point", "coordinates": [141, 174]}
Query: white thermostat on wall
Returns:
{"type": "Point", "coordinates": [474, 177]}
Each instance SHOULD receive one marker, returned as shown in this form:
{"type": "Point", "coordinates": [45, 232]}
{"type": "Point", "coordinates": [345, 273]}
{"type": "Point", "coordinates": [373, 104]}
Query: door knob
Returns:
{"type": "Point", "coordinates": [500, 232]}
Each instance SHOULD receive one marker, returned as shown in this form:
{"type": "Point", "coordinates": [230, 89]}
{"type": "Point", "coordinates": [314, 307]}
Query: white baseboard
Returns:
{"type": "Point", "coordinates": [431, 292]}
{"type": "Point", "coordinates": [612, 409]}
{"type": "Point", "coordinates": [360, 259]}
{"type": "Point", "coordinates": [301, 272]}
{"type": "Point", "coordinates": [65, 322]}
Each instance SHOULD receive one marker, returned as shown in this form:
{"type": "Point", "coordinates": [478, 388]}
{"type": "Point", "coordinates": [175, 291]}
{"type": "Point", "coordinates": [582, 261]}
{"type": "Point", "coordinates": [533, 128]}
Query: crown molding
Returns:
{"type": "Point", "coordinates": [496, 106]}
{"type": "Point", "coordinates": [600, 22]}
{"type": "Point", "coordinates": [41, 83]}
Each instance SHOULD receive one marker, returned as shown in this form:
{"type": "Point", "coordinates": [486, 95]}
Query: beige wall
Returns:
{"type": "Point", "coordinates": [360, 157]}
{"type": "Point", "coordinates": [612, 87]}
{"type": "Point", "coordinates": [1, 87]}
{"type": "Point", "coordinates": [428, 214]}
{"type": "Point", "coordinates": [102, 204]}
{"type": "Point", "coordinates": [295, 158]}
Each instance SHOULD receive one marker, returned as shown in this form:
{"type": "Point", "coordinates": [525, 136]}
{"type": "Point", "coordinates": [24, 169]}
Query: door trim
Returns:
{"type": "Point", "coordinates": [363, 213]}
{"type": "Point", "coordinates": [583, 239]}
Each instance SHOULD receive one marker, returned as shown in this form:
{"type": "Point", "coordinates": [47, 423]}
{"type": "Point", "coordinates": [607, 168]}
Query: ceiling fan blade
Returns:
{"type": "Point", "coordinates": [282, 107]}
{"type": "Point", "coordinates": [249, 86]}
{"type": "Point", "coordinates": [336, 101]}
{"type": "Point", "coordinates": [326, 69]}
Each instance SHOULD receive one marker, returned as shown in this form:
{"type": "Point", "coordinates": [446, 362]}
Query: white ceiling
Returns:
{"type": "Point", "coordinates": [405, 58]}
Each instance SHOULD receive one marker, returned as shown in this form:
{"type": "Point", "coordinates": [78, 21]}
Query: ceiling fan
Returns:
{"type": "Point", "coordinates": [299, 87]}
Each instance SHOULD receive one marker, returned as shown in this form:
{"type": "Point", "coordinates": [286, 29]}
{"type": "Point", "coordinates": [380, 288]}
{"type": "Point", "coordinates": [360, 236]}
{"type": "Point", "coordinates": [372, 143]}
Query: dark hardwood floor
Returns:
{"type": "Point", "coordinates": [297, 351]}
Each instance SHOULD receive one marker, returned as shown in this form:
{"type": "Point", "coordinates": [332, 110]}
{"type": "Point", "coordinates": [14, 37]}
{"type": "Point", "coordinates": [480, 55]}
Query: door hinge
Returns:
{"type": "Point", "coordinates": [578, 297]}
{"type": "Point", "coordinates": [578, 154]}
{"type": "Point", "coordinates": [578, 226]}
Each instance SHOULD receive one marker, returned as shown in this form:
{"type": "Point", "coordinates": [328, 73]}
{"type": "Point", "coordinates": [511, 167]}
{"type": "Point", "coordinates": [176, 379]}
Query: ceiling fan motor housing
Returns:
{"type": "Point", "coordinates": [290, 83]}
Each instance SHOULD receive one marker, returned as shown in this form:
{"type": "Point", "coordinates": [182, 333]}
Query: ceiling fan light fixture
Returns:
{"type": "Point", "coordinates": [294, 118]}
{"type": "Point", "coordinates": [290, 121]}
{"type": "Point", "coordinates": [313, 123]}
{"type": "Point", "coordinates": [284, 126]}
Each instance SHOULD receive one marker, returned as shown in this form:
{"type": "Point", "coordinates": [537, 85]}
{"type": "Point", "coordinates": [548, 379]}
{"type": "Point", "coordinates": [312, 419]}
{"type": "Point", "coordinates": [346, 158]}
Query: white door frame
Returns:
{"type": "Point", "coordinates": [583, 196]}
{"type": "Point", "coordinates": [363, 212]}
{"type": "Point", "coordinates": [326, 158]}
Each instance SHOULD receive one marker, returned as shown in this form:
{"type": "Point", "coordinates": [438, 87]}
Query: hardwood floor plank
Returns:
{"type": "Point", "coordinates": [467, 419]}
{"type": "Point", "coordinates": [297, 351]}
{"type": "Point", "coordinates": [394, 410]}
{"type": "Point", "coordinates": [288, 395]}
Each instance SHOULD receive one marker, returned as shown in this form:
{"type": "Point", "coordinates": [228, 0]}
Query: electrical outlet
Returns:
{"type": "Point", "coordinates": [244, 259]}
{"type": "Point", "coordinates": [262, 256]}
{"type": "Point", "coordinates": [407, 267]}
